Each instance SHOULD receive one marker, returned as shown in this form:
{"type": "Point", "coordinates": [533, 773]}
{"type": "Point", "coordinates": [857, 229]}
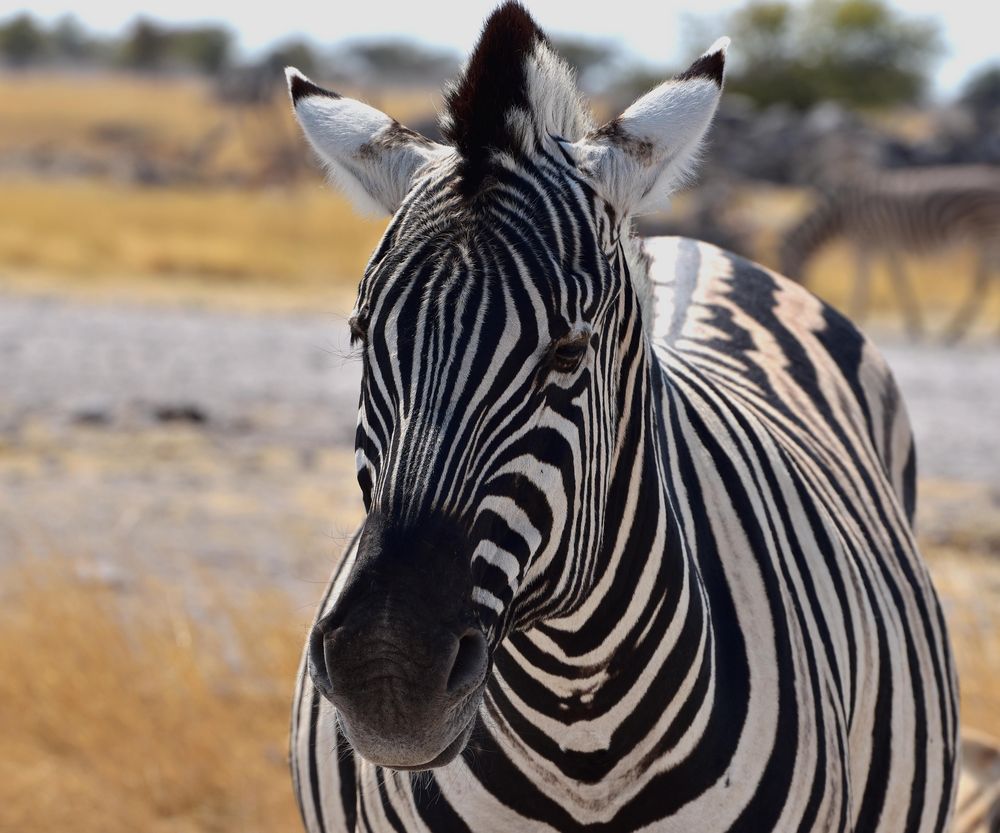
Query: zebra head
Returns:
{"type": "Point", "coordinates": [500, 324]}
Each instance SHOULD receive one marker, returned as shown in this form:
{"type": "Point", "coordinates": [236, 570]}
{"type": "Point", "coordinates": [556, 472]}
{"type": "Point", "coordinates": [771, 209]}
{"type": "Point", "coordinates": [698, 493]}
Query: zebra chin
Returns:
{"type": "Point", "coordinates": [401, 754]}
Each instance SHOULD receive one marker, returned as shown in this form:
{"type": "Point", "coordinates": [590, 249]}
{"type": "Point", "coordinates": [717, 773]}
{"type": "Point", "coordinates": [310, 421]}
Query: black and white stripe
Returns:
{"type": "Point", "coordinates": [690, 541]}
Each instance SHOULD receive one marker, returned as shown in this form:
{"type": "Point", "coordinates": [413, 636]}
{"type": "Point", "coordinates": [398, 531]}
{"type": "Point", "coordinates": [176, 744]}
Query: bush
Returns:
{"type": "Point", "coordinates": [21, 41]}
{"type": "Point", "coordinates": [858, 52]}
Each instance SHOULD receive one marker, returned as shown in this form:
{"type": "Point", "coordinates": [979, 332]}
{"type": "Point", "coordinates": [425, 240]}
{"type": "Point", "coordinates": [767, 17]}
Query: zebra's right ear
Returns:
{"type": "Point", "coordinates": [639, 158]}
{"type": "Point", "coordinates": [369, 155]}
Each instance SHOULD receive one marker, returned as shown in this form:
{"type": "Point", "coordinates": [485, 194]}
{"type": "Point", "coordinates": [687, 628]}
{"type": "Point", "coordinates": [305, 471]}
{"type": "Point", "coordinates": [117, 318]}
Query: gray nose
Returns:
{"type": "Point", "coordinates": [405, 697]}
{"type": "Point", "coordinates": [400, 653]}
{"type": "Point", "coordinates": [347, 663]}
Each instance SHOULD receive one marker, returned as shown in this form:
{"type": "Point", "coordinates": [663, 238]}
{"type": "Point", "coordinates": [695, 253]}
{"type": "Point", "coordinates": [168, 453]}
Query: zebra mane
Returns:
{"type": "Point", "coordinates": [513, 91]}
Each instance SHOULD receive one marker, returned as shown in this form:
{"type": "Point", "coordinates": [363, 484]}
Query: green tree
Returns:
{"type": "Point", "coordinates": [595, 62]}
{"type": "Point", "coordinates": [295, 53]}
{"type": "Point", "coordinates": [858, 52]}
{"type": "Point", "coordinates": [146, 46]}
{"type": "Point", "coordinates": [207, 49]}
{"type": "Point", "coordinates": [69, 40]}
{"type": "Point", "coordinates": [400, 61]}
{"type": "Point", "coordinates": [22, 42]}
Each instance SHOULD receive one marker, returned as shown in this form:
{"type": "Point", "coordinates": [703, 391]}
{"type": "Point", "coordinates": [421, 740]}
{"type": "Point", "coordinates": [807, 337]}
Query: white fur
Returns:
{"type": "Point", "coordinates": [342, 131]}
{"type": "Point", "coordinates": [670, 122]}
{"type": "Point", "coordinates": [556, 104]}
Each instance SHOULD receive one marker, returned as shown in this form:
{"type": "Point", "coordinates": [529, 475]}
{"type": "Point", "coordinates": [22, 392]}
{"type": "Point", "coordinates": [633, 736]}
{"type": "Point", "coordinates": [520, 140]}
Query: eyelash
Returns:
{"type": "Point", "coordinates": [566, 355]}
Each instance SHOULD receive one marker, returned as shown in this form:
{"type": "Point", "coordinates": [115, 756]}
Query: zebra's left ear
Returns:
{"type": "Point", "coordinates": [370, 156]}
{"type": "Point", "coordinates": [639, 158]}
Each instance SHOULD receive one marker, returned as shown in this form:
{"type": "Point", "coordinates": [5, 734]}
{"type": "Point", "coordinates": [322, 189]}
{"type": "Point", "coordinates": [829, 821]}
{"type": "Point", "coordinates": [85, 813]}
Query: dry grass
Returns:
{"type": "Point", "coordinates": [94, 115]}
{"type": "Point", "coordinates": [82, 111]}
{"type": "Point", "coordinates": [126, 714]}
{"type": "Point", "coordinates": [156, 707]}
{"type": "Point", "coordinates": [102, 237]}
{"type": "Point", "coordinates": [299, 246]}
{"type": "Point", "coordinates": [42, 106]}
{"type": "Point", "coordinates": [96, 238]}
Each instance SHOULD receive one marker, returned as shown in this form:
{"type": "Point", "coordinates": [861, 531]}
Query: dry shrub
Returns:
{"type": "Point", "coordinates": [165, 708]}
{"type": "Point", "coordinates": [126, 712]}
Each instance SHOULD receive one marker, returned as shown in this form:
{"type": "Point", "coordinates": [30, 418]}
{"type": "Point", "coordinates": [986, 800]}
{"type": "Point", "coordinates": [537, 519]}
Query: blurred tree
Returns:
{"type": "Point", "coordinates": [633, 81]}
{"type": "Point", "coordinates": [398, 61]}
{"type": "Point", "coordinates": [207, 49]}
{"type": "Point", "coordinates": [22, 42]}
{"type": "Point", "coordinates": [296, 53]}
{"type": "Point", "coordinates": [146, 46]}
{"type": "Point", "coordinates": [858, 52]}
{"type": "Point", "coordinates": [69, 41]}
{"type": "Point", "coordinates": [595, 62]}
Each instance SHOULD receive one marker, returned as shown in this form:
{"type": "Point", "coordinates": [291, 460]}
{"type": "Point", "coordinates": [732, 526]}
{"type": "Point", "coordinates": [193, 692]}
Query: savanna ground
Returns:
{"type": "Point", "coordinates": [176, 474]}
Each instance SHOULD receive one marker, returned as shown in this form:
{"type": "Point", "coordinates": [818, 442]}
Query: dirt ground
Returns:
{"type": "Point", "coordinates": [142, 439]}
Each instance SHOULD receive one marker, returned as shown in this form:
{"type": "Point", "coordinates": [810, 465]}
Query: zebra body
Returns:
{"type": "Point", "coordinates": [815, 442]}
{"type": "Point", "coordinates": [674, 489]}
{"type": "Point", "coordinates": [917, 211]}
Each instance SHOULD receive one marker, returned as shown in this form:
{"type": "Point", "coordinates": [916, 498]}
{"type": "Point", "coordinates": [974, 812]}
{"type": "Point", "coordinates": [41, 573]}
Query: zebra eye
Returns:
{"type": "Point", "coordinates": [567, 353]}
{"type": "Point", "coordinates": [359, 329]}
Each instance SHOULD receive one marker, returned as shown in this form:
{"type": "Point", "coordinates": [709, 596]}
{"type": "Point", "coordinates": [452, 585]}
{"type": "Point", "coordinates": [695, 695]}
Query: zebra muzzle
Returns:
{"type": "Point", "coordinates": [406, 698]}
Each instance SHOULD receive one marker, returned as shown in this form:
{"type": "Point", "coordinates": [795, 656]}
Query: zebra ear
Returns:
{"type": "Point", "coordinates": [639, 158]}
{"type": "Point", "coordinates": [369, 155]}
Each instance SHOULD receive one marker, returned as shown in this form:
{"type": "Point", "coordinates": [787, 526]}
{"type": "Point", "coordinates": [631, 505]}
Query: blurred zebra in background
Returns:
{"type": "Point", "coordinates": [898, 213]}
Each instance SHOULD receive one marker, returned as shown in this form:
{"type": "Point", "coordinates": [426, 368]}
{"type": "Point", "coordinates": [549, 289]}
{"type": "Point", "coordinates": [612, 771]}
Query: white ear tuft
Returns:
{"type": "Point", "coordinates": [720, 45]}
{"type": "Point", "coordinates": [370, 156]}
{"type": "Point", "coordinates": [639, 158]}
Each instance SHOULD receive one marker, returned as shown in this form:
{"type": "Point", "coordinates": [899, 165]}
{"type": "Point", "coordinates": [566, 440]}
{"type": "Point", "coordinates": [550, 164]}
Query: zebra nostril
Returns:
{"type": "Point", "coordinates": [318, 659]}
{"type": "Point", "coordinates": [469, 666]}
{"type": "Point", "coordinates": [329, 663]}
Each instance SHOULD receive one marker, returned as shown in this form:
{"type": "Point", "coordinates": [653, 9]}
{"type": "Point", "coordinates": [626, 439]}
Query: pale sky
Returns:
{"type": "Point", "coordinates": [654, 34]}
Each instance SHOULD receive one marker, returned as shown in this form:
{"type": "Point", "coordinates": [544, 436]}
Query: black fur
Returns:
{"type": "Point", "coordinates": [710, 66]}
{"type": "Point", "coordinates": [299, 87]}
{"type": "Point", "coordinates": [493, 83]}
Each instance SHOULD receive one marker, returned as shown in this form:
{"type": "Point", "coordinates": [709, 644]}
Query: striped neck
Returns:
{"type": "Point", "coordinates": [637, 643]}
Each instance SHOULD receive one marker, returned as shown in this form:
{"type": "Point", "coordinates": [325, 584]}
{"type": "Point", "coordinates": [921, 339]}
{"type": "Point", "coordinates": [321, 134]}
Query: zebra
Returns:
{"type": "Point", "coordinates": [902, 212]}
{"type": "Point", "coordinates": [638, 548]}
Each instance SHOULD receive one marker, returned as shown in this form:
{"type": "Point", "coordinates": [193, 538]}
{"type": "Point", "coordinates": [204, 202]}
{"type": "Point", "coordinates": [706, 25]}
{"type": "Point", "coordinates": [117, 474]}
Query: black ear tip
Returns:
{"type": "Point", "coordinates": [300, 87]}
{"type": "Point", "coordinates": [710, 66]}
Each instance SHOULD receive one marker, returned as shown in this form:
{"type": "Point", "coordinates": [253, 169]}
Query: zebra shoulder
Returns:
{"type": "Point", "coordinates": [703, 297]}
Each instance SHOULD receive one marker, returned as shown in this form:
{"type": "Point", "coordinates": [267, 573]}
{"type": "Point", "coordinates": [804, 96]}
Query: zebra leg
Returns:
{"type": "Point", "coordinates": [912, 317]}
{"type": "Point", "coordinates": [962, 320]}
{"type": "Point", "coordinates": [858, 307]}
